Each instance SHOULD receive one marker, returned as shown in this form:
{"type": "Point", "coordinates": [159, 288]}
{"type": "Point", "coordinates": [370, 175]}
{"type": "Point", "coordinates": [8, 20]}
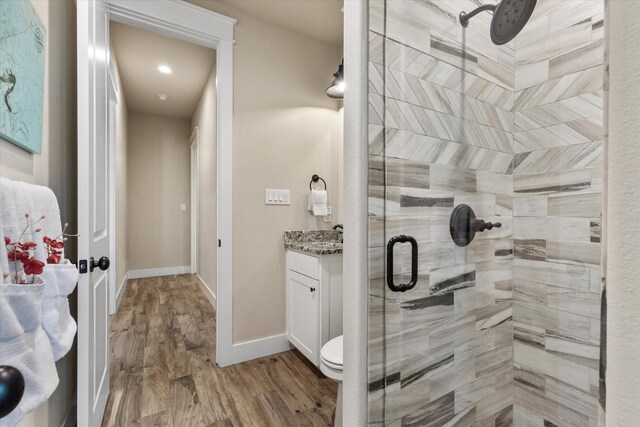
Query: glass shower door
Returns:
{"type": "Point", "coordinates": [440, 310]}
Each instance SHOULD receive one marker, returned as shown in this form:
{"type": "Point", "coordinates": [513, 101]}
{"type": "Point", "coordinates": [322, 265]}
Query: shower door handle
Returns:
{"type": "Point", "coordinates": [414, 263]}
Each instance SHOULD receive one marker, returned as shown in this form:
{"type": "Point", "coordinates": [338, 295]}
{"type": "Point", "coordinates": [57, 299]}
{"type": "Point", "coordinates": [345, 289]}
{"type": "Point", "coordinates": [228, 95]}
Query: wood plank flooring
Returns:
{"type": "Point", "coordinates": [163, 370]}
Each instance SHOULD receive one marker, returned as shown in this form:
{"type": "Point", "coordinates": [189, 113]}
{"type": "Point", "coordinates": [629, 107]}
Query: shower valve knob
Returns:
{"type": "Point", "coordinates": [481, 225]}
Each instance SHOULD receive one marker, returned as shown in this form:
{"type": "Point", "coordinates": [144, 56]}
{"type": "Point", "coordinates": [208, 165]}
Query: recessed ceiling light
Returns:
{"type": "Point", "coordinates": [162, 97]}
{"type": "Point", "coordinates": [164, 69]}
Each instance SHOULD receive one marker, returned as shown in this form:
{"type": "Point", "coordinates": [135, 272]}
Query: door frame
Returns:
{"type": "Point", "coordinates": [355, 253]}
{"type": "Point", "coordinates": [195, 196]}
{"type": "Point", "coordinates": [184, 21]}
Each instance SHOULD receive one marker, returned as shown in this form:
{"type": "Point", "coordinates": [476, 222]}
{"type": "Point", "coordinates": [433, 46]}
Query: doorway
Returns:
{"type": "Point", "coordinates": [95, 201]}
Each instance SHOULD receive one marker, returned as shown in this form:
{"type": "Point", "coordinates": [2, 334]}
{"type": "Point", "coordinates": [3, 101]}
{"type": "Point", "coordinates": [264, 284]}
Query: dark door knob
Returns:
{"type": "Point", "coordinates": [103, 263]}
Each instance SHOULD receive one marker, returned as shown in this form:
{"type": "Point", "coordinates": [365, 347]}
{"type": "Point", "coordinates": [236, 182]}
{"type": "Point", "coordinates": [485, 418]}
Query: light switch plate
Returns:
{"type": "Point", "coordinates": [277, 197]}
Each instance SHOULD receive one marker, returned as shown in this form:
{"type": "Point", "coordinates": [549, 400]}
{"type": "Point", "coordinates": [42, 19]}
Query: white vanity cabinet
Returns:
{"type": "Point", "coordinates": [314, 301]}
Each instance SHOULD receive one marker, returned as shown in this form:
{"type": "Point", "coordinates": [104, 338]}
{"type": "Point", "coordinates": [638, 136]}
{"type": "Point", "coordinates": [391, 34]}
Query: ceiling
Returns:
{"type": "Point", "coordinates": [139, 53]}
{"type": "Point", "coordinates": [320, 19]}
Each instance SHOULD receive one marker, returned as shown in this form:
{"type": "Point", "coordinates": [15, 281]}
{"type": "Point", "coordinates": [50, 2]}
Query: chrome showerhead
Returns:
{"type": "Point", "coordinates": [509, 18]}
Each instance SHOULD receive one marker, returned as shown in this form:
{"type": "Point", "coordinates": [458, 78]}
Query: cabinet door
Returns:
{"type": "Point", "coordinates": [303, 315]}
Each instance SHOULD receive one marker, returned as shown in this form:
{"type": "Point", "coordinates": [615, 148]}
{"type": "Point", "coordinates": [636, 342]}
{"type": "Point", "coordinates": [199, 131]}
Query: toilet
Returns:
{"type": "Point", "coordinates": [331, 366]}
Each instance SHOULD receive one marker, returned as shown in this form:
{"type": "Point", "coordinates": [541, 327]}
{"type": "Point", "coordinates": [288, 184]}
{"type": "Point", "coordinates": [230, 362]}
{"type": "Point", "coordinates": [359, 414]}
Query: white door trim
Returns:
{"type": "Point", "coordinates": [177, 19]}
{"type": "Point", "coordinates": [355, 254]}
{"type": "Point", "coordinates": [195, 197]}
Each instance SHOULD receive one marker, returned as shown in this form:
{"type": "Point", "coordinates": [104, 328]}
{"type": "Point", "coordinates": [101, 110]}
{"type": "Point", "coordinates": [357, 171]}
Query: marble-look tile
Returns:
{"type": "Point", "coordinates": [568, 14]}
{"type": "Point", "coordinates": [531, 292]}
{"type": "Point", "coordinates": [553, 274]}
{"type": "Point", "coordinates": [535, 30]}
{"type": "Point", "coordinates": [580, 156]}
{"type": "Point", "coordinates": [546, 363]}
{"type": "Point", "coordinates": [555, 44]}
{"type": "Point", "coordinates": [531, 74]}
{"type": "Point", "coordinates": [571, 397]}
{"type": "Point", "coordinates": [555, 182]}
{"type": "Point", "coordinates": [456, 375]}
{"type": "Point", "coordinates": [435, 412]}
{"type": "Point", "coordinates": [524, 418]}
{"type": "Point", "coordinates": [494, 404]}
{"type": "Point", "coordinates": [565, 87]}
{"type": "Point", "coordinates": [449, 279]}
{"type": "Point", "coordinates": [493, 315]}
{"type": "Point", "coordinates": [488, 273]}
{"type": "Point", "coordinates": [574, 252]}
{"type": "Point", "coordinates": [526, 333]}
{"type": "Point", "coordinates": [480, 342]}
{"type": "Point", "coordinates": [577, 302]}
{"type": "Point", "coordinates": [596, 229]}
{"type": "Point", "coordinates": [576, 60]}
{"type": "Point", "coordinates": [465, 417]}
{"type": "Point", "coordinates": [398, 173]}
{"type": "Point", "coordinates": [452, 52]}
{"type": "Point", "coordinates": [565, 325]}
{"type": "Point", "coordinates": [473, 298]}
{"type": "Point", "coordinates": [483, 204]}
{"type": "Point", "coordinates": [553, 228]}
{"type": "Point", "coordinates": [452, 178]}
{"type": "Point", "coordinates": [477, 251]}
{"type": "Point", "coordinates": [494, 183]}
{"type": "Point", "coordinates": [533, 249]}
{"type": "Point", "coordinates": [530, 205]}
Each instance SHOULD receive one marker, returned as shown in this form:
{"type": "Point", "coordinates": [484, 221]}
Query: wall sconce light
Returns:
{"type": "Point", "coordinates": [336, 90]}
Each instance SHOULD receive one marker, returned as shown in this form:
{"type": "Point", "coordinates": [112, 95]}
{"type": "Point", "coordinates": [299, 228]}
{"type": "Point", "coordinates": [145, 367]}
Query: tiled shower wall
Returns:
{"type": "Point", "coordinates": [459, 120]}
{"type": "Point", "coordinates": [557, 180]}
{"type": "Point", "coordinates": [441, 116]}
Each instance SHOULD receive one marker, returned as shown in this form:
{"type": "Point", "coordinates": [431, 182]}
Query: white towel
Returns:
{"type": "Point", "coordinates": [19, 198]}
{"type": "Point", "coordinates": [25, 346]}
{"type": "Point", "coordinates": [60, 280]}
{"type": "Point", "coordinates": [318, 202]}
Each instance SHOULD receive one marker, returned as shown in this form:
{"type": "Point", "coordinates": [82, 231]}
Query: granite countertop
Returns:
{"type": "Point", "coordinates": [316, 242]}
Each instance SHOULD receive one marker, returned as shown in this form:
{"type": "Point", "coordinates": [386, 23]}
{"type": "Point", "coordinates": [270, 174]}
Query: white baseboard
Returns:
{"type": "Point", "coordinates": [155, 272]}
{"type": "Point", "coordinates": [259, 348]}
{"type": "Point", "coordinates": [123, 287]}
{"type": "Point", "coordinates": [207, 291]}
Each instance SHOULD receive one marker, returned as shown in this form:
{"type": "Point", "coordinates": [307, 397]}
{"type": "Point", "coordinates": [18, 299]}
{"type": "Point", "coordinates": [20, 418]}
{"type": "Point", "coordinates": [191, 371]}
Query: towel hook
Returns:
{"type": "Point", "coordinates": [316, 178]}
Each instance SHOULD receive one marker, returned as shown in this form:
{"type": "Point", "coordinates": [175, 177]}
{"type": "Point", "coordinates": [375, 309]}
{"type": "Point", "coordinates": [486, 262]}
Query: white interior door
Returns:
{"type": "Point", "coordinates": [93, 212]}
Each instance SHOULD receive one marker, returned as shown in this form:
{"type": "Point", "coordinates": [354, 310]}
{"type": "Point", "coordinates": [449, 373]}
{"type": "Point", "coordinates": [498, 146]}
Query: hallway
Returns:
{"type": "Point", "coordinates": [163, 370]}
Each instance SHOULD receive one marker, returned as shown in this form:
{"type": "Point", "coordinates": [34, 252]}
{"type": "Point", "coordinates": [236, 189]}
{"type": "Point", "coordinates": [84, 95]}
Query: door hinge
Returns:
{"type": "Point", "coordinates": [83, 266]}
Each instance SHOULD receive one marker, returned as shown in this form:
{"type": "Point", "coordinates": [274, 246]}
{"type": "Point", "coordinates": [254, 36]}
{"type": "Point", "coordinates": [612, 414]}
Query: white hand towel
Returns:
{"type": "Point", "coordinates": [318, 202]}
{"type": "Point", "coordinates": [60, 280]}
{"type": "Point", "coordinates": [19, 198]}
{"type": "Point", "coordinates": [25, 346]}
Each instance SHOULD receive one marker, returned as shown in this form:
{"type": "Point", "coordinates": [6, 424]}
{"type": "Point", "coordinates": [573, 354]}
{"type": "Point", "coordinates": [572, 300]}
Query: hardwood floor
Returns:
{"type": "Point", "coordinates": [163, 370]}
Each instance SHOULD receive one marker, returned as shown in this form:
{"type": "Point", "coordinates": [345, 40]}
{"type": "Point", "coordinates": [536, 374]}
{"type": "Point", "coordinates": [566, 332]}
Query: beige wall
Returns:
{"type": "Point", "coordinates": [121, 180]}
{"type": "Point", "coordinates": [55, 167]}
{"type": "Point", "coordinates": [205, 119]}
{"type": "Point", "coordinates": [286, 129]}
{"type": "Point", "coordinates": [158, 166]}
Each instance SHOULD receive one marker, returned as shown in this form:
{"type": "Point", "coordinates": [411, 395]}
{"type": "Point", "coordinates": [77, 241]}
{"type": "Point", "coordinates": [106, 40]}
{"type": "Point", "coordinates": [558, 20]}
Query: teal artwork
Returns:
{"type": "Point", "coordinates": [22, 52]}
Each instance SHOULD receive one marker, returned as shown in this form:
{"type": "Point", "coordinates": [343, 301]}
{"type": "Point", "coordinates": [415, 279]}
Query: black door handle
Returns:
{"type": "Point", "coordinates": [414, 263]}
{"type": "Point", "coordinates": [103, 263]}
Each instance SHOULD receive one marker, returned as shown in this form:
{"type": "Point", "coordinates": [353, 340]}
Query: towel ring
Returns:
{"type": "Point", "coordinates": [316, 178]}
